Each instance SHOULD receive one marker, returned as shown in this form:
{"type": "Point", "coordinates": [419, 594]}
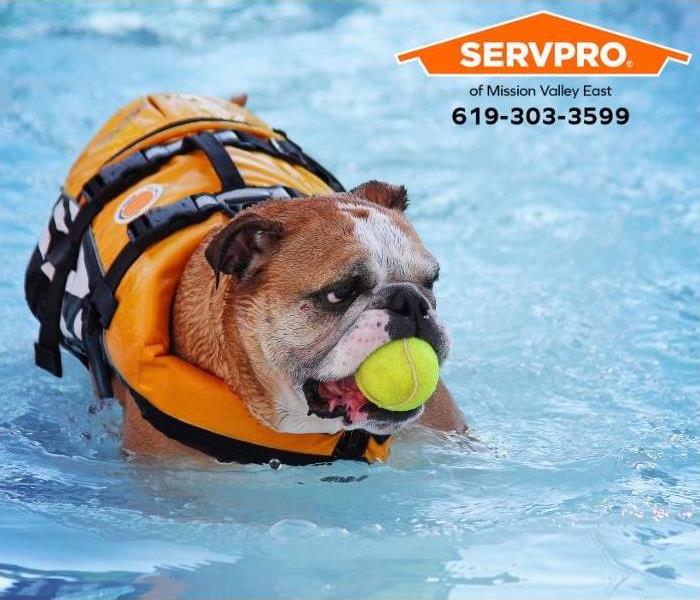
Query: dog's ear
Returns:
{"type": "Point", "coordinates": [384, 194]}
{"type": "Point", "coordinates": [243, 245]}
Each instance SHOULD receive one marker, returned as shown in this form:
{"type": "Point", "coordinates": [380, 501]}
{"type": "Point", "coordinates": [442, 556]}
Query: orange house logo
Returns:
{"type": "Point", "coordinates": [544, 44]}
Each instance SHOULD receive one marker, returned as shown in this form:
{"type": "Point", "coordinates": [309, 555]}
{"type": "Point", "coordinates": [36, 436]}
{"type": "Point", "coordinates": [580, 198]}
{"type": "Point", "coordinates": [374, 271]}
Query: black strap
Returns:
{"type": "Point", "coordinates": [107, 184]}
{"type": "Point", "coordinates": [115, 178]}
{"type": "Point", "coordinates": [96, 359]}
{"type": "Point", "coordinates": [111, 180]}
{"type": "Point", "coordinates": [352, 444]}
{"type": "Point", "coordinates": [231, 201]}
{"type": "Point", "coordinates": [161, 222]}
{"type": "Point", "coordinates": [157, 155]}
{"type": "Point", "coordinates": [287, 150]}
{"type": "Point", "coordinates": [220, 160]}
{"type": "Point", "coordinates": [222, 448]}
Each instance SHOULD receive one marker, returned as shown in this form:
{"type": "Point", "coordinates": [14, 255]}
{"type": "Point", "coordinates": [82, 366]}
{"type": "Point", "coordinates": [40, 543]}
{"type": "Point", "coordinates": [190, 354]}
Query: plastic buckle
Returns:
{"type": "Point", "coordinates": [248, 141]}
{"type": "Point", "coordinates": [161, 153]}
{"type": "Point", "coordinates": [205, 201]}
{"type": "Point", "coordinates": [160, 216]}
{"type": "Point", "coordinates": [234, 201]}
{"type": "Point", "coordinates": [244, 195]}
{"type": "Point", "coordinates": [172, 212]}
{"type": "Point", "coordinates": [132, 164]}
{"type": "Point", "coordinates": [226, 137]}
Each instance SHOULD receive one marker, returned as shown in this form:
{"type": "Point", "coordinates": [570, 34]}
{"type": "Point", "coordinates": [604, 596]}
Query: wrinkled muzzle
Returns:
{"type": "Point", "coordinates": [400, 311]}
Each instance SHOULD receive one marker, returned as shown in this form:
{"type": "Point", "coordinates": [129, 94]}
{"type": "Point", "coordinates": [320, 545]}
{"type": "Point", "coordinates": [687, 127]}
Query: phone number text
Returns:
{"type": "Point", "coordinates": [588, 115]}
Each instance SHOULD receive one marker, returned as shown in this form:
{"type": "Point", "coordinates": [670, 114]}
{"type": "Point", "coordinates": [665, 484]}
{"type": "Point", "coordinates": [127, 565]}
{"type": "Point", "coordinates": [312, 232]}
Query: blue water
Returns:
{"type": "Point", "coordinates": [570, 281]}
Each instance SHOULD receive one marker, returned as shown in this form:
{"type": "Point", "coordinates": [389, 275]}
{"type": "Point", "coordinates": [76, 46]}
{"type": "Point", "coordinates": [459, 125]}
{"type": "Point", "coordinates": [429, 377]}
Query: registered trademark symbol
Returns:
{"type": "Point", "coordinates": [629, 64]}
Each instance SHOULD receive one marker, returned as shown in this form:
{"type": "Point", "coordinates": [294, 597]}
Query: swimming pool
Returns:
{"type": "Point", "coordinates": [569, 280]}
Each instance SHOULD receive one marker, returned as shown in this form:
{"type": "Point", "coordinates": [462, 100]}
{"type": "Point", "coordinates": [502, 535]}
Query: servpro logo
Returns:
{"type": "Point", "coordinates": [544, 44]}
{"type": "Point", "coordinates": [511, 54]}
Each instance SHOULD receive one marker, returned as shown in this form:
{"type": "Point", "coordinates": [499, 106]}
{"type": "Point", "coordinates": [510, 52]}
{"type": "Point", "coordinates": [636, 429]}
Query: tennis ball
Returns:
{"type": "Point", "coordinates": [400, 375]}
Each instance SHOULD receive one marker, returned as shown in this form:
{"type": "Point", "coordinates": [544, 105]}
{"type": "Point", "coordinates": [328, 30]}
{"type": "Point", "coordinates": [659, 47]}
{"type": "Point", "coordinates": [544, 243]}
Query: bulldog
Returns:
{"type": "Point", "coordinates": [230, 337]}
{"type": "Point", "coordinates": [286, 300]}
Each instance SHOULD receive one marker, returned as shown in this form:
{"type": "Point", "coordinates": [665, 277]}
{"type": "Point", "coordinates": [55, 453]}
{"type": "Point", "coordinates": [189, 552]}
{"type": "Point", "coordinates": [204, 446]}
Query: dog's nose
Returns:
{"type": "Point", "coordinates": [409, 316]}
{"type": "Point", "coordinates": [407, 301]}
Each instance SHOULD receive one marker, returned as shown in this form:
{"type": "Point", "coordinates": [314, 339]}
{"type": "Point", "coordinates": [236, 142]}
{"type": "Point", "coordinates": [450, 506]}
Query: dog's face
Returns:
{"type": "Point", "coordinates": [311, 287]}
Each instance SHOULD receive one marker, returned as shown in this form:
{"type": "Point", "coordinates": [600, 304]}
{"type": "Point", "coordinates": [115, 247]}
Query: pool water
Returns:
{"type": "Point", "coordinates": [570, 283]}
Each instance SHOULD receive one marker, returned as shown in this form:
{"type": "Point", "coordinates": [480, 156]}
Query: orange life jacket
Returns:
{"type": "Point", "coordinates": [160, 174]}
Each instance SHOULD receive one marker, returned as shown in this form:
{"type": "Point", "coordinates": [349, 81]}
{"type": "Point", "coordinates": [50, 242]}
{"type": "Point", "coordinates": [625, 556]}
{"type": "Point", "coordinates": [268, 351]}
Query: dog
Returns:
{"type": "Point", "coordinates": [285, 300]}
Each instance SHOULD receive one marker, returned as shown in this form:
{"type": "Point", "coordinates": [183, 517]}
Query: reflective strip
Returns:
{"type": "Point", "coordinates": [77, 282]}
{"type": "Point", "coordinates": [73, 206]}
{"type": "Point", "coordinates": [44, 241]}
{"type": "Point", "coordinates": [78, 325]}
{"type": "Point", "coordinates": [59, 217]}
{"type": "Point", "coordinates": [48, 270]}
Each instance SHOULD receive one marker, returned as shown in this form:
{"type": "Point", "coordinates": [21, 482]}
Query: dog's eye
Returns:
{"type": "Point", "coordinates": [335, 297]}
{"type": "Point", "coordinates": [341, 295]}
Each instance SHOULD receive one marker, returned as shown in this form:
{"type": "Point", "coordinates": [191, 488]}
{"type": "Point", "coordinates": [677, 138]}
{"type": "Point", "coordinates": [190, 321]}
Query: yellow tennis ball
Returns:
{"type": "Point", "coordinates": [400, 375]}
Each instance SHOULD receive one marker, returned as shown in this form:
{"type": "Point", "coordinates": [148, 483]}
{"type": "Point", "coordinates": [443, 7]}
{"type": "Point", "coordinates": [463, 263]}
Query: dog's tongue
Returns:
{"type": "Point", "coordinates": [345, 393]}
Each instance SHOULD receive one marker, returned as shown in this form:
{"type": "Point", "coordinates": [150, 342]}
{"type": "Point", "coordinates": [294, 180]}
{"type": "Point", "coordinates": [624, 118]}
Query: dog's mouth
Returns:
{"type": "Point", "coordinates": [342, 398]}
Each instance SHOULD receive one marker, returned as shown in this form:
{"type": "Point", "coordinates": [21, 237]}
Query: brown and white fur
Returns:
{"type": "Point", "coordinates": [291, 296]}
